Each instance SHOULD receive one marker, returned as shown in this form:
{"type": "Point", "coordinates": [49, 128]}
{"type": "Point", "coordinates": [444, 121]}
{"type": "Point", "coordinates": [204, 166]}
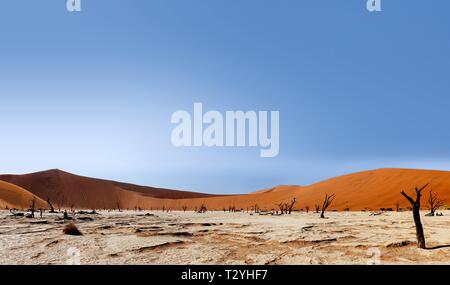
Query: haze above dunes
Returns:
{"type": "Point", "coordinates": [368, 190]}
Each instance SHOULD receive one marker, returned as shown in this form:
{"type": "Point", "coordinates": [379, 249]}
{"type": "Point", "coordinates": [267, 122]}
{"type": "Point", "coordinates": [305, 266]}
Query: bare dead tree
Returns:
{"type": "Point", "coordinates": [202, 209]}
{"type": "Point", "coordinates": [184, 207]}
{"type": "Point", "coordinates": [282, 207]}
{"type": "Point", "coordinates": [32, 206]}
{"type": "Point", "coordinates": [118, 206]}
{"type": "Point", "coordinates": [231, 208]}
{"type": "Point", "coordinates": [307, 209]}
{"type": "Point", "coordinates": [291, 205]}
{"type": "Point", "coordinates": [52, 209]}
{"type": "Point", "coordinates": [416, 214]}
{"type": "Point", "coordinates": [398, 207]}
{"type": "Point", "coordinates": [434, 203]}
{"type": "Point", "coordinates": [317, 207]}
{"type": "Point", "coordinates": [326, 203]}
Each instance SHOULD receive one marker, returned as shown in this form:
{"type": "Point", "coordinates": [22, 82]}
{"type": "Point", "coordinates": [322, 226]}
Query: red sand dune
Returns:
{"type": "Point", "coordinates": [65, 190]}
{"type": "Point", "coordinates": [358, 191]}
{"type": "Point", "coordinates": [12, 196]}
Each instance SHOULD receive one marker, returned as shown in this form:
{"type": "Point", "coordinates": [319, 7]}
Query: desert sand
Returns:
{"type": "Point", "coordinates": [144, 237]}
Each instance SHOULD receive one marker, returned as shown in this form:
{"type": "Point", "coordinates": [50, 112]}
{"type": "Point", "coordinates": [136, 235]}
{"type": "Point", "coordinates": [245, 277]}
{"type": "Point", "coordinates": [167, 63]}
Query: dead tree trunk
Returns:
{"type": "Point", "coordinates": [416, 215]}
{"type": "Point", "coordinates": [326, 203]}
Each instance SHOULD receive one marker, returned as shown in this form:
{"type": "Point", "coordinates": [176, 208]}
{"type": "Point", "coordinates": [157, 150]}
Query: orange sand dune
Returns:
{"type": "Point", "coordinates": [12, 196]}
{"type": "Point", "coordinates": [368, 190]}
{"type": "Point", "coordinates": [358, 191]}
{"type": "Point", "coordinates": [65, 190]}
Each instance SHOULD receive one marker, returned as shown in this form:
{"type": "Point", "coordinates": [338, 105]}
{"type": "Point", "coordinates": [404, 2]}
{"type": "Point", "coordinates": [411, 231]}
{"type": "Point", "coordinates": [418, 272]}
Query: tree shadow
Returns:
{"type": "Point", "coordinates": [438, 247]}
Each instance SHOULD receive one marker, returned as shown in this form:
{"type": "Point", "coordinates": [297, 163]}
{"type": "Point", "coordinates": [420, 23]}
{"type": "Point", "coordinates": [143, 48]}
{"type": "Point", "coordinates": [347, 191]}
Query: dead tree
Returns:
{"type": "Point", "coordinates": [184, 208]}
{"type": "Point", "coordinates": [416, 215]}
{"type": "Point", "coordinates": [118, 206]}
{"type": "Point", "coordinates": [307, 209]}
{"type": "Point", "coordinates": [52, 209]}
{"type": "Point", "coordinates": [33, 206]}
{"type": "Point", "coordinates": [291, 205]}
{"type": "Point", "coordinates": [326, 203]}
{"type": "Point", "coordinates": [398, 207]}
{"type": "Point", "coordinates": [202, 209]}
{"type": "Point", "coordinates": [434, 203]}
{"type": "Point", "coordinates": [282, 207]}
{"type": "Point", "coordinates": [317, 207]}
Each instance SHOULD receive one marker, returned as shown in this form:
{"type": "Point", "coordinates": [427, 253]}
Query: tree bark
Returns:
{"type": "Point", "coordinates": [419, 228]}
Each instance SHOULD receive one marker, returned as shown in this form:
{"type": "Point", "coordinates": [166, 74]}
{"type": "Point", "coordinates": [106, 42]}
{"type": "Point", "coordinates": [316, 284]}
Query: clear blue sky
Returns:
{"type": "Point", "coordinates": [92, 93]}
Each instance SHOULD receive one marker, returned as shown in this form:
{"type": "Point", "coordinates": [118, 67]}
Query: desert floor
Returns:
{"type": "Point", "coordinates": [131, 237]}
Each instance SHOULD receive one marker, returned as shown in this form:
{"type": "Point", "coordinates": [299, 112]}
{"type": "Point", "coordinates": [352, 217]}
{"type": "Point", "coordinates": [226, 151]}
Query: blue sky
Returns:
{"type": "Point", "coordinates": [93, 92]}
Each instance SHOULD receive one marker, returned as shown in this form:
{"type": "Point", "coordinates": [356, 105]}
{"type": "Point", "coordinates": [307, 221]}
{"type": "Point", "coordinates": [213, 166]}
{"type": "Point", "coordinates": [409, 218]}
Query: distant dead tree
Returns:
{"type": "Point", "coordinates": [32, 206]}
{"type": "Point", "coordinates": [231, 208]}
{"type": "Point", "coordinates": [307, 208]}
{"type": "Point", "coordinates": [52, 209]}
{"type": "Point", "coordinates": [184, 207]}
{"type": "Point", "coordinates": [397, 206]}
{"type": "Point", "coordinates": [326, 203]}
{"type": "Point", "coordinates": [434, 203]}
{"type": "Point", "coordinates": [118, 206]}
{"type": "Point", "coordinates": [416, 214]}
{"type": "Point", "coordinates": [290, 206]}
{"type": "Point", "coordinates": [202, 209]}
{"type": "Point", "coordinates": [317, 207]}
{"type": "Point", "coordinates": [282, 207]}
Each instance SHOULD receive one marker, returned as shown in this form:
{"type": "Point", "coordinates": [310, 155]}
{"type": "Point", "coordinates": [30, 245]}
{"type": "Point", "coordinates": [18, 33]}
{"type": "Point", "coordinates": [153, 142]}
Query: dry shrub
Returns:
{"type": "Point", "coordinates": [72, 230]}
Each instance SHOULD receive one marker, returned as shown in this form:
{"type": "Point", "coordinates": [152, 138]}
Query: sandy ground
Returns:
{"type": "Point", "coordinates": [224, 238]}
